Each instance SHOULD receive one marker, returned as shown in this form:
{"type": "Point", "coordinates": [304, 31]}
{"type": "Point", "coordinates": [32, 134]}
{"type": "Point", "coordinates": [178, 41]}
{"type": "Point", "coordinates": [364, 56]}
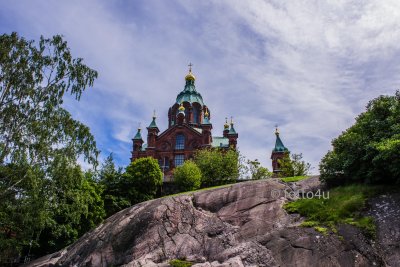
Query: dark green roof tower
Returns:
{"type": "Point", "coordinates": [232, 136]}
{"type": "Point", "coordinates": [137, 140]}
{"type": "Point", "coordinates": [279, 147]}
{"type": "Point", "coordinates": [152, 133]}
{"type": "Point", "coordinates": [279, 152]}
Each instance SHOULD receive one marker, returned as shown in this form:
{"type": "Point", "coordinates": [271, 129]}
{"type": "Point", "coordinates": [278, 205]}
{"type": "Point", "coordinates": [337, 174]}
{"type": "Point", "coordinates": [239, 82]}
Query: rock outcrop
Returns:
{"type": "Point", "coordinates": [239, 225]}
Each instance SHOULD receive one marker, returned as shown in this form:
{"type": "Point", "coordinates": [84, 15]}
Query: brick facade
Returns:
{"type": "Point", "coordinates": [189, 129]}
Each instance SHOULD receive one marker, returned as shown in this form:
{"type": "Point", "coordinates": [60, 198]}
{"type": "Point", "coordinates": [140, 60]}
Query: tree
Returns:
{"type": "Point", "coordinates": [141, 180]}
{"type": "Point", "coordinates": [45, 199]}
{"type": "Point", "coordinates": [49, 209]}
{"type": "Point", "coordinates": [33, 81]}
{"type": "Point", "coordinates": [22, 212]}
{"type": "Point", "coordinates": [369, 151]}
{"type": "Point", "coordinates": [111, 180]}
{"type": "Point", "coordinates": [74, 205]}
{"type": "Point", "coordinates": [187, 176]}
{"type": "Point", "coordinates": [217, 166]}
{"type": "Point", "coordinates": [257, 171]}
{"type": "Point", "coordinates": [293, 165]}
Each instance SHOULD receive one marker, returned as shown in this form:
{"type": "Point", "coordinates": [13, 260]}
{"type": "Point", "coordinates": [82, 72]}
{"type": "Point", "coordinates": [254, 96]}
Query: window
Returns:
{"type": "Point", "coordinates": [187, 114]}
{"type": "Point", "coordinates": [164, 163]}
{"type": "Point", "coordinates": [195, 115]}
{"type": "Point", "coordinates": [180, 141]}
{"type": "Point", "coordinates": [179, 159]}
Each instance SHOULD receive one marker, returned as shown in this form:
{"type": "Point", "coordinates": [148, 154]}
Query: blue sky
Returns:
{"type": "Point", "coordinates": [308, 66]}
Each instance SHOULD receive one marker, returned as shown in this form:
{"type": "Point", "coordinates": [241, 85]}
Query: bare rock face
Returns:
{"type": "Point", "coordinates": [239, 225]}
{"type": "Point", "coordinates": [386, 211]}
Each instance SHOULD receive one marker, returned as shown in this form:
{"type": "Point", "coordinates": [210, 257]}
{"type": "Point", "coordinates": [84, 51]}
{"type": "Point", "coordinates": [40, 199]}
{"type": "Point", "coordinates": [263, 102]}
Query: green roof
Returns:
{"type": "Point", "coordinates": [138, 136]}
{"type": "Point", "coordinates": [279, 147]}
{"type": "Point", "coordinates": [153, 123]}
{"type": "Point", "coordinates": [232, 130]}
{"type": "Point", "coordinates": [218, 141]}
{"type": "Point", "coordinates": [189, 94]}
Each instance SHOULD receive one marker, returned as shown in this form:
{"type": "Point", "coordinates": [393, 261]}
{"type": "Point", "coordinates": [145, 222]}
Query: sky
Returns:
{"type": "Point", "coordinates": [308, 66]}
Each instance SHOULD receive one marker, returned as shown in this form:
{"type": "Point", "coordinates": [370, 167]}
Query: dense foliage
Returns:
{"type": "Point", "coordinates": [217, 166]}
{"type": "Point", "coordinates": [187, 176]}
{"type": "Point", "coordinates": [141, 180]}
{"type": "Point", "coordinates": [369, 151]}
{"type": "Point", "coordinates": [110, 178]}
{"type": "Point", "coordinates": [33, 81]}
{"type": "Point", "coordinates": [46, 200]}
{"type": "Point", "coordinates": [293, 165]}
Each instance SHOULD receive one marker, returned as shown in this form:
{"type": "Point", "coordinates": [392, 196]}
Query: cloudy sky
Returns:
{"type": "Point", "coordinates": [308, 66]}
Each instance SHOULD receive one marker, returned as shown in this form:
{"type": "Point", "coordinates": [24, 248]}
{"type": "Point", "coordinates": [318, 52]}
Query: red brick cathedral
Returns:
{"type": "Point", "coordinates": [189, 129]}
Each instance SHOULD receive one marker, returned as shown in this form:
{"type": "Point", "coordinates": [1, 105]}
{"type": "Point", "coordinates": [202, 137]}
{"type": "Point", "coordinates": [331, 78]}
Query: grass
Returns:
{"type": "Point", "coordinates": [180, 263]}
{"type": "Point", "coordinates": [344, 205]}
{"type": "Point", "coordinates": [294, 179]}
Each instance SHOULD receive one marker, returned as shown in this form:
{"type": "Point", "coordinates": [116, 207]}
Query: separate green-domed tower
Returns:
{"type": "Point", "coordinates": [278, 152]}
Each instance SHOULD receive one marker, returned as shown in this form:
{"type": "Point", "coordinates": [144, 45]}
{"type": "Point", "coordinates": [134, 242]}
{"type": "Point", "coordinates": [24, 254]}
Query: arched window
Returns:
{"type": "Point", "coordinates": [179, 159]}
{"type": "Point", "coordinates": [195, 115]}
{"type": "Point", "coordinates": [187, 114]}
{"type": "Point", "coordinates": [180, 141]}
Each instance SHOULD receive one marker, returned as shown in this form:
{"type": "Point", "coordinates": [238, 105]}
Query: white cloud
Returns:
{"type": "Point", "coordinates": [310, 66]}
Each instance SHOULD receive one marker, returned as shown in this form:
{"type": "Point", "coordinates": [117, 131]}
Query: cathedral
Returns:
{"type": "Point", "coordinates": [189, 129]}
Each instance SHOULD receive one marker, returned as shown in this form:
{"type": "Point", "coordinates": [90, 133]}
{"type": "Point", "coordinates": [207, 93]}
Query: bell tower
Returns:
{"type": "Point", "coordinates": [278, 153]}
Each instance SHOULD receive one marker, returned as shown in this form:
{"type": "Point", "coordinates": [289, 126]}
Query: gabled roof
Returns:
{"type": "Point", "coordinates": [173, 127]}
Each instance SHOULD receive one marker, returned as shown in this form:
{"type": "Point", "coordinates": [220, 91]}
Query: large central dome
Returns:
{"type": "Point", "coordinates": [189, 93]}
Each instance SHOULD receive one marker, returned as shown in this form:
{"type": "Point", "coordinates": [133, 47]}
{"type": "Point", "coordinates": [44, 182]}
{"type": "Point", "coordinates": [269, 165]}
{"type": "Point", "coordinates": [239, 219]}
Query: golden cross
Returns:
{"type": "Point", "coordinates": [190, 67]}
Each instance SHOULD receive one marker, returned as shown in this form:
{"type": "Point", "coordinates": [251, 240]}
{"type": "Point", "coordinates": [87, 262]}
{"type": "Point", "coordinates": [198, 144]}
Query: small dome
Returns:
{"type": "Point", "coordinates": [226, 125]}
{"type": "Point", "coordinates": [181, 107]}
{"type": "Point", "coordinates": [190, 76]}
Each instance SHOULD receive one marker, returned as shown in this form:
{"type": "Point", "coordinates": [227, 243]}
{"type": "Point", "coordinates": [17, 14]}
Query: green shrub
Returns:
{"type": "Point", "coordinates": [187, 176]}
{"type": "Point", "coordinates": [344, 205]}
{"type": "Point", "coordinates": [217, 166]}
{"type": "Point", "coordinates": [141, 180]}
{"type": "Point", "coordinates": [180, 263]}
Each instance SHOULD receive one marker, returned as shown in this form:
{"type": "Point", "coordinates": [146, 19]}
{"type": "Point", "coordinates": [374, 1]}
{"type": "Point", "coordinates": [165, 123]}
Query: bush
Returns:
{"type": "Point", "coordinates": [142, 179]}
{"type": "Point", "coordinates": [180, 263]}
{"type": "Point", "coordinates": [217, 166]}
{"type": "Point", "coordinates": [187, 176]}
{"type": "Point", "coordinates": [369, 151]}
